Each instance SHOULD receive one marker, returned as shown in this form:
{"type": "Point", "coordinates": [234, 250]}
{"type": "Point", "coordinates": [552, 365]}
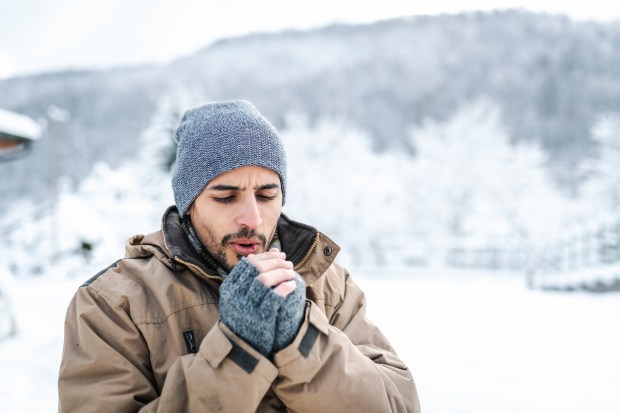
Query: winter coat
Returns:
{"type": "Point", "coordinates": [144, 335]}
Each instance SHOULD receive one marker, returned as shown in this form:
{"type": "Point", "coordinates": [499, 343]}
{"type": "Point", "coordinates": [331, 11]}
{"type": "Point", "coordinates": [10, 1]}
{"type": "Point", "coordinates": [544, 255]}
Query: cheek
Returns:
{"type": "Point", "coordinates": [208, 232]}
{"type": "Point", "coordinates": [214, 228]}
{"type": "Point", "coordinates": [207, 236]}
{"type": "Point", "coordinates": [271, 215]}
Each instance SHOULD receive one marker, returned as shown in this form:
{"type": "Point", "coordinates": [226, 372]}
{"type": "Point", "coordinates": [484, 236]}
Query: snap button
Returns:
{"type": "Point", "coordinates": [327, 251]}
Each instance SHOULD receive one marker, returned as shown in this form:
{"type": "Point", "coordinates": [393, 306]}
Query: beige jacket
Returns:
{"type": "Point", "coordinates": [144, 335]}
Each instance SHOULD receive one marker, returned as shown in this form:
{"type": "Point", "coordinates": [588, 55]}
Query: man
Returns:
{"type": "Point", "coordinates": [231, 306]}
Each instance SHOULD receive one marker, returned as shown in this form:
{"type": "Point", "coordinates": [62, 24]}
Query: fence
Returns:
{"type": "Point", "coordinates": [588, 259]}
{"type": "Point", "coordinates": [490, 257]}
{"type": "Point", "coordinates": [455, 252]}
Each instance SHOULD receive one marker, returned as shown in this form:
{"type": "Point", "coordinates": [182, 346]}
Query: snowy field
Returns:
{"type": "Point", "coordinates": [486, 344]}
{"type": "Point", "coordinates": [475, 343]}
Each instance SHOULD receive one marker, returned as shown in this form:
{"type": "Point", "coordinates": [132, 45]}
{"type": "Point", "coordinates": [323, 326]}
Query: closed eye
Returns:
{"type": "Point", "coordinates": [224, 200]}
{"type": "Point", "coordinates": [265, 198]}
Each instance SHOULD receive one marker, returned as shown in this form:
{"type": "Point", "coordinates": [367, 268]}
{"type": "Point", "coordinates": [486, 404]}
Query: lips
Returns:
{"type": "Point", "coordinates": [245, 246]}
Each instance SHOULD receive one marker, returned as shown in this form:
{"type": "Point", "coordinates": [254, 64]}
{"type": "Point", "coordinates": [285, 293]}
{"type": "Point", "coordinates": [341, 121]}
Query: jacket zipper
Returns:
{"type": "Point", "coordinates": [197, 268]}
{"type": "Point", "coordinates": [310, 251]}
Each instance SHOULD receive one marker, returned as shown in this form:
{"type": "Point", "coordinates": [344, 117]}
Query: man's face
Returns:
{"type": "Point", "coordinates": [236, 214]}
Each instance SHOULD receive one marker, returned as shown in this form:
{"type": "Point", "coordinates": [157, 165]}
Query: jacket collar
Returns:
{"type": "Point", "coordinates": [310, 251]}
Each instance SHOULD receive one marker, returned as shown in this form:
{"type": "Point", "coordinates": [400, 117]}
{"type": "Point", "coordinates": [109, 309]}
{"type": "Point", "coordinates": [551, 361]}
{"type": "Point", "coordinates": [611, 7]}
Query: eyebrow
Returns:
{"type": "Point", "coordinates": [223, 187]}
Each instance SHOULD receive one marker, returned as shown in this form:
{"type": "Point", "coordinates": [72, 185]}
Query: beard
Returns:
{"type": "Point", "coordinates": [217, 248]}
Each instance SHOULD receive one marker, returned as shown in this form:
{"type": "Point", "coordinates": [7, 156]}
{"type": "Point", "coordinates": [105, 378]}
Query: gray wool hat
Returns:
{"type": "Point", "coordinates": [218, 137]}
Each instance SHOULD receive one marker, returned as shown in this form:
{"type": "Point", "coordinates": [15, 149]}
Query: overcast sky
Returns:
{"type": "Point", "coordinates": [44, 35]}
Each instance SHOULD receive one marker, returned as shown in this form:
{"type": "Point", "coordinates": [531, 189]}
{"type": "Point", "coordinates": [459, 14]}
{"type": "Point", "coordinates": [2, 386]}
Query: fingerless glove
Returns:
{"type": "Point", "coordinates": [250, 308]}
{"type": "Point", "coordinates": [290, 316]}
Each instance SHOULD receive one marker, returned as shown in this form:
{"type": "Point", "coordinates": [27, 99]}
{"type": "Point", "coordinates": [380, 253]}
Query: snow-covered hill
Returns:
{"type": "Point", "coordinates": [551, 77]}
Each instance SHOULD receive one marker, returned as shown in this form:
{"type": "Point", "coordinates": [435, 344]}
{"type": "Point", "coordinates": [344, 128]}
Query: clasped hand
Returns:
{"type": "Point", "coordinates": [274, 271]}
{"type": "Point", "coordinates": [262, 300]}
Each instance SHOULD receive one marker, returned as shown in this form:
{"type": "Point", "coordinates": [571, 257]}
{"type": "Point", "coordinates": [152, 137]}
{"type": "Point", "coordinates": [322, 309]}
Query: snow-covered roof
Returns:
{"type": "Point", "coordinates": [18, 125]}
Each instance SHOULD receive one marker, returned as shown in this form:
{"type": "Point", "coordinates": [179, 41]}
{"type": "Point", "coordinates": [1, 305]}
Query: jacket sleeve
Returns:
{"type": "Point", "coordinates": [106, 367]}
{"type": "Point", "coordinates": [348, 366]}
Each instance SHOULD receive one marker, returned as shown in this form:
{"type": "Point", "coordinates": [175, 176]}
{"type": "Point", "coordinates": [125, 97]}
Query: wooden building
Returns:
{"type": "Point", "coordinates": [17, 133]}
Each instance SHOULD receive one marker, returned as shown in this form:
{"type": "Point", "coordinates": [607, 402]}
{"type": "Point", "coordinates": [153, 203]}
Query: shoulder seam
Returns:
{"type": "Point", "coordinates": [114, 264]}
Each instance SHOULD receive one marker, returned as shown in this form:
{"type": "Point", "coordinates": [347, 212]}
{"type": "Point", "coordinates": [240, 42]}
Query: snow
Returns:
{"type": "Point", "coordinates": [474, 342]}
{"type": "Point", "coordinates": [30, 360]}
{"type": "Point", "coordinates": [19, 125]}
{"type": "Point", "coordinates": [484, 343]}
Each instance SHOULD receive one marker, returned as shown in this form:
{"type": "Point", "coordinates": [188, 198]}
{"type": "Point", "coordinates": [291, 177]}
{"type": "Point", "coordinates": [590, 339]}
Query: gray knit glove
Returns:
{"type": "Point", "coordinates": [290, 316]}
{"type": "Point", "coordinates": [249, 308]}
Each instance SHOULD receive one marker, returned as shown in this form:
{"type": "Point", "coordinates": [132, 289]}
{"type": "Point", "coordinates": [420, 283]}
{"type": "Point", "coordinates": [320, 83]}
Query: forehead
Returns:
{"type": "Point", "coordinates": [246, 174]}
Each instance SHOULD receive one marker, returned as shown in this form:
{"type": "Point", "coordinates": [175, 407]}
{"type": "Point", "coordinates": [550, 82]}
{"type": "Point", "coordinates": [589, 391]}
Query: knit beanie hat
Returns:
{"type": "Point", "coordinates": [218, 137]}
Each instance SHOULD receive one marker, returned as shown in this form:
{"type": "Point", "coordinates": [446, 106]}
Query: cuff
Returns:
{"type": "Point", "coordinates": [222, 346]}
{"type": "Point", "coordinates": [315, 323]}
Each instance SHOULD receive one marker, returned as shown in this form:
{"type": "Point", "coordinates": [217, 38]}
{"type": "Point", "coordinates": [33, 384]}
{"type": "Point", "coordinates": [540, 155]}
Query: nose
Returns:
{"type": "Point", "coordinates": [249, 214]}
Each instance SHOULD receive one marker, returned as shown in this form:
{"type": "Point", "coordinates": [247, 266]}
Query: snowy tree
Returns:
{"type": "Point", "coordinates": [467, 185]}
{"type": "Point", "coordinates": [157, 141]}
{"type": "Point", "coordinates": [601, 188]}
{"type": "Point", "coordinates": [469, 182]}
{"type": "Point", "coordinates": [87, 227]}
{"type": "Point", "coordinates": [338, 184]}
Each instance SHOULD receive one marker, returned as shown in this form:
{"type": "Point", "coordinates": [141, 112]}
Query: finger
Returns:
{"type": "Point", "coordinates": [273, 264]}
{"type": "Point", "coordinates": [274, 249]}
{"type": "Point", "coordinates": [275, 277]}
{"type": "Point", "coordinates": [254, 258]}
{"type": "Point", "coordinates": [285, 288]}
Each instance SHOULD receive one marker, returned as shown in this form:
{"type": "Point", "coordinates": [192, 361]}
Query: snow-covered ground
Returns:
{"type": "Point", "coordinates": [483, 343]}
{"type": "Point", "coordinates": [475, 342]}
